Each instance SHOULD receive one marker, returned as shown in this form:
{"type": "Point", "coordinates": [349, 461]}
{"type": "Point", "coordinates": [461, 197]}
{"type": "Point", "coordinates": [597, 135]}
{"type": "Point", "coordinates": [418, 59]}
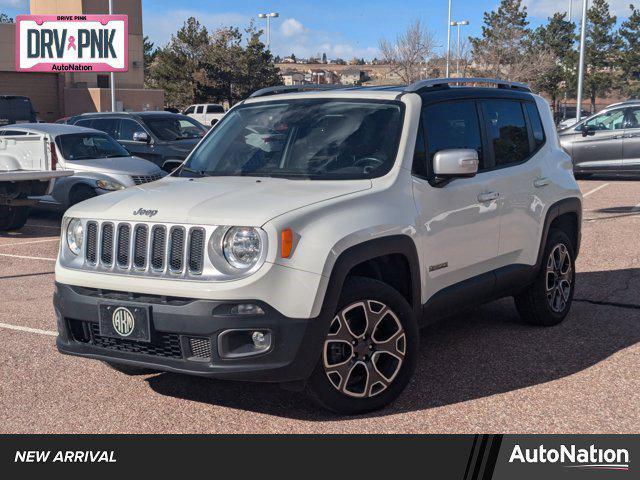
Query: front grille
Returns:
{"type": "Point", "coordinates": [200, 347]}
{"type": "Point", "coordinates": [146, 249]}
{"type": "Point", "coordinates": [140, 179]}
{"type": "Point", "coordinates": [106, 247]}
{"type": "Point", "coordinates": [162, 344]}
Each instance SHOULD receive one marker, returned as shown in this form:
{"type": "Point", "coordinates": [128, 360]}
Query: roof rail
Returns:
{"type": "Point", "coordinates": [309, 87]}
{"type": "Point", "coordinates": [446, 83]}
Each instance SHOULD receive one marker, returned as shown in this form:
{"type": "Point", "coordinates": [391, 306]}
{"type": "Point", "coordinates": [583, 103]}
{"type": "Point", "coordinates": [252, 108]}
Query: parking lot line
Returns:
{"type": "Point", "coordinates": [28, 243]}
{"type": "Point", "coordinates": [41, 226]}
{"type": "Point", "coordinates": [27, 257]}
{"type": "Point", "coordinates": [595, 189]}
{"type": "Point", "coordinates": [28, 329]}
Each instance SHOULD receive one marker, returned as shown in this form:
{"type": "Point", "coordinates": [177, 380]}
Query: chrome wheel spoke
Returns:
{"type": "Point", "coordinates": [364, 349]}
{"type": "Point", "coordinates": [558, 278]}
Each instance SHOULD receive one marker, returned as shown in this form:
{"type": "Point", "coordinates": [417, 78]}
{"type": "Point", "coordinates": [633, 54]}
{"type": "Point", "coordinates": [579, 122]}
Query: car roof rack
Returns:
{"type": "Point", "coordinates": [281, 89]}
{"type": "Point", "coordinates": [424, 85]}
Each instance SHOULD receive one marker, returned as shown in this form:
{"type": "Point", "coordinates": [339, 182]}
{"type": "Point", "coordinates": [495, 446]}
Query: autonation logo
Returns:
{"type": "Point", "coordinates": [573, 457]}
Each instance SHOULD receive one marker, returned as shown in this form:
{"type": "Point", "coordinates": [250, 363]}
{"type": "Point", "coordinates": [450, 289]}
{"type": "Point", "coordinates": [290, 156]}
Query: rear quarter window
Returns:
{"type": "Point", "coordinates": [507, 131]}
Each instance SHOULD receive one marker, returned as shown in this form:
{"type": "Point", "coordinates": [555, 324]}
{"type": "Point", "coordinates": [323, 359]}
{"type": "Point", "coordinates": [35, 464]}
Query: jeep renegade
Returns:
{"type": "Point", "coordinates": [310, 235]}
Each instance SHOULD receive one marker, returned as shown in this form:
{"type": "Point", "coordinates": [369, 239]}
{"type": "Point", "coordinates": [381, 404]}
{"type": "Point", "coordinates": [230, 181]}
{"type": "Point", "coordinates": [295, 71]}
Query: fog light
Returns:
{"type": "Point", "coordinates": [259, 340]}
{"type": "Point", "coordinates": [246, 309]}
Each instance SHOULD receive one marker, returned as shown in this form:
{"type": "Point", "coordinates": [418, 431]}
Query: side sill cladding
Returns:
{"type": "Point", "coordinates": [394, 244]}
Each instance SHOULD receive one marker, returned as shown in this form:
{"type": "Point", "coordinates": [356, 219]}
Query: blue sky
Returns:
{"type": "Point", "coordinates": [338, 27]}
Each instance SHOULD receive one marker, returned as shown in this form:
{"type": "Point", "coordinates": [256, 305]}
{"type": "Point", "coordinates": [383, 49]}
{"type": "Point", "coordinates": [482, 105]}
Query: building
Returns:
{"type": "Point", "coordinates": [351, 77]}
{"type": "Point", "coordinates": [56, 95]}
{"type": "Point", "coordinates": [292, 77]}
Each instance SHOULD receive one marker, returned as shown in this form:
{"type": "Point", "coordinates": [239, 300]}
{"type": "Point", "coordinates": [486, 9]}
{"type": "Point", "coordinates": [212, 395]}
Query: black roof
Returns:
{"type": "Point", "coordinates": [422, 86]}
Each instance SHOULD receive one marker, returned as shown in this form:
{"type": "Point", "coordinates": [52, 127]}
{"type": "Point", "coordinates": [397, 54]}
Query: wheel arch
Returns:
{"type": "Point", "coordinates": [357, 258]}
{"type": "Point", "coordinates": [566, 215]}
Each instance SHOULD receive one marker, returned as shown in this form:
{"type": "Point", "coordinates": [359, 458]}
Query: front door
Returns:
{"type": "Point", "coordinates": [458, 222]}
{"type": "Point", "coordinates": [601, 148]}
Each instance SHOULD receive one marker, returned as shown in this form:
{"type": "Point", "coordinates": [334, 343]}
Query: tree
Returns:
{"type": "Point", "coordinates": [409, 53]}
{"type": "Point", "coordinates": [4, 18]}
{"type": "Point", "coordinates": [601, 46]}
{"type": "Point", "coordinates": [558, 37]}
{"type": "Point", "coordinates": [148, 54]}
{"type": "Point", "coordinates": [630, 54]}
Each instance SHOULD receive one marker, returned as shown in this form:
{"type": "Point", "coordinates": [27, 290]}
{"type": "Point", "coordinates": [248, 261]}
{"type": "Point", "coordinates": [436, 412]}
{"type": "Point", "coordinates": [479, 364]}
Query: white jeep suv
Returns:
{"type": "Point", "coordinates": [309, 235]}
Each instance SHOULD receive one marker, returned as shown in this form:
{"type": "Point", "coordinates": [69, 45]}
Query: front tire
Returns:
{"type": "Point", "coordinates": [13, 218]}
{"type": "Point", "coordinates": [370, 351]}
{"type": "Point", "coordinates": [547, 301]}
{"type": "Point", "coordinates": [80, 194]}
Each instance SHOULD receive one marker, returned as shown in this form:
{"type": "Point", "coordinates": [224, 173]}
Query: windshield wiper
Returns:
{"type": "Point", "coordinates": [198, 173]}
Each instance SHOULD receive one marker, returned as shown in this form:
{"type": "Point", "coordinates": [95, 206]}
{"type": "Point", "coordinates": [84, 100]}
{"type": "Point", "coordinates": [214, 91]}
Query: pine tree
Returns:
{"type": "Point", "coordinates": [4, 18]}
{"type": "Point", "coordinates": [601, 51]}
{"type": "Point", "coordinates": [630, 54]}
{"type": "Point", "coordinates": [148, 54]}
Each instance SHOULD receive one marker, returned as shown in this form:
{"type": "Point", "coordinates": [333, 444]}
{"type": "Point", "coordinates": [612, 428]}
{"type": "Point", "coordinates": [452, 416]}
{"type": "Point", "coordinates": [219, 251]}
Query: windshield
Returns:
{"type": "Point", "coordinates": [16, 109]}
{"type": "Point", "coordinates": [170, 128]}
{"type": "Point", "coordinates": [87, 146]}
{"type": "Point", "coordinates": [317, 139]}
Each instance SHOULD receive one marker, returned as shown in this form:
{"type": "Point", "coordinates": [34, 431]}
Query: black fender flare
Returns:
{"type": "Point", "coordinates": [567, 205]}
{"type": "Point", "coordinates": [352, 256]}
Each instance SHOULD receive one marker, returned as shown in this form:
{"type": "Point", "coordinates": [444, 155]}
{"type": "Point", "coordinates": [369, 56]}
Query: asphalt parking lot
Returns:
{"type": "Point", "coordinates": [484, 371]}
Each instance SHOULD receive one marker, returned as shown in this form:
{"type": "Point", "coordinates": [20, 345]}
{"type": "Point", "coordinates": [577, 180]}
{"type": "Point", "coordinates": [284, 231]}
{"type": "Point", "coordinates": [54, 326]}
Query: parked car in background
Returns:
{"type": "Point", "coordinates": [16, 109]}
{"type": "Point", "coordinates": [206, 113]}
{"type": "Point", "coordinates": [163, 138]}
{"type": "Point", "coordinates": [606, 142]}
{"type": "Point", "coordinates": [565, 117]}
{"type": "Point", "coordinates": [101, 164]}
{"type": "Point", "coordinates": [28, 167]}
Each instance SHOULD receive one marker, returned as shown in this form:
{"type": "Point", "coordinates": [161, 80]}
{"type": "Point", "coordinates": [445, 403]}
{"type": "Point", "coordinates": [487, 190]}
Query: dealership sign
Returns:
{"type": "Point", "coordinates": [72, 43]}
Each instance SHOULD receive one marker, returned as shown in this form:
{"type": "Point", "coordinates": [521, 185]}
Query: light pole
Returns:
{"type": "Point", "coordinates": [583, 33]}
{"type": "Point", "coordinates": [112, 76]}
{"type": "Point", "coordinates": [268, 16]}
{"type": "Point", "coordinates": [459, 24]}
{"type": "Point", "coordinates": [448, 42]}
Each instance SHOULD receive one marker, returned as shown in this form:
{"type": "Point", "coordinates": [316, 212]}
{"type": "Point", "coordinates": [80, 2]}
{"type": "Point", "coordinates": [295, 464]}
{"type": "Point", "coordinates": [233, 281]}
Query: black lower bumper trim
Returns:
{"type": "Point", "coordinates": [175, 323]}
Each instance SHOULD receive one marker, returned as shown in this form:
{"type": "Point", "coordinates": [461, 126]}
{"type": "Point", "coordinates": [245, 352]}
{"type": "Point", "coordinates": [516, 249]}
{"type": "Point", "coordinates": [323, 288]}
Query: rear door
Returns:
{"type": "Point", "coordinates": [631, 142]}
{"type": "Point", "coordinates": [601, 148]}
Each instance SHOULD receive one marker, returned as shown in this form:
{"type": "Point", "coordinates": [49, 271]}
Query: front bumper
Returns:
{"type": "Point", "coordinates": [174, 322]}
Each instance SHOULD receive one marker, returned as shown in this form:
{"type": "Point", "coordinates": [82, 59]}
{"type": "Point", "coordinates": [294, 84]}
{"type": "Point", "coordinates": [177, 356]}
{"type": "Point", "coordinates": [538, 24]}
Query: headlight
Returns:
{"type": "Point", "coordinates": [75, 236]}
{"type": "Point", "coordinates": [109, 185]}
{"type": "Point", "coordinates": [242, 247]}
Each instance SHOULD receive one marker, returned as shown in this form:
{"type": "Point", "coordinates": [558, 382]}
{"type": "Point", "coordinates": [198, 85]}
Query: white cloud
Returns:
{"type": "Point", "coordinates": [291, 27]}
{"type": "Point", "coordinates": [546, 8]}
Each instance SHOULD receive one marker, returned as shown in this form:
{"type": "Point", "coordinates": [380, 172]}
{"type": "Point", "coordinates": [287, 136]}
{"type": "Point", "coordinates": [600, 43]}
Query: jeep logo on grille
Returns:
{"type": "Point", "coordinates": [123, 321]}
{"type": "Point", "coordinates": [146, 213]}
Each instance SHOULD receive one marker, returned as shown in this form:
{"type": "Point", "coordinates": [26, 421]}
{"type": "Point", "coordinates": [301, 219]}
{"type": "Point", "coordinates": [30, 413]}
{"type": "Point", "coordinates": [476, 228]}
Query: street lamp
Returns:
{"type": "Point", "coordinates": [459, 24]}
{"type": "Point", "coordinates": [268, 16]}
{"type": "Point", "coordinates": [112, 76]}
{"type": "Point", "coordinates": [583, 31]}
{"type": "Point", "coordinates": [448, 42]}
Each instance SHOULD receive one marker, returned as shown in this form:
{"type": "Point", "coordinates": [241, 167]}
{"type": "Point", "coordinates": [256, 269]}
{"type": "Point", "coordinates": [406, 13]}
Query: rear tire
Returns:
{"type": "Point", "coordinates": [13, 218]}
{"type": "Point", "coordinates": [370, 351]}
{"type": "Point", "coordinates": [547, 301]}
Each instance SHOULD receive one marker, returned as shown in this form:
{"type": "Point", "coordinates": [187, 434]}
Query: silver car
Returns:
{"type": "Point", "coordinates": [607, 142]}
{"type": "Point", "coordinates": [101, 164]}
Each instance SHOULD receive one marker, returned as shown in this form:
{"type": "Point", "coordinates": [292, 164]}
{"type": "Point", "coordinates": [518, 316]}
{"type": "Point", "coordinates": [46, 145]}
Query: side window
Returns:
{"type": "Point", "coordinates": [420, 165]}
{"type": "Point", "coordinates": [215, 109]}
{"type": "Point", "coordinates": [189, 110]}
{"type": "Point", "coordinates": [612, 120]}
{"type": "Point", "coordinates": [199, 109]}
{"type": "Point", "coordinates": [453, 125]}
{"type": "Point", "coordinates": [507, 131]}
{"type": "Point", "coordinates": [536, 124]}
{"type": "Point", "coordinates": [128, 128]}
{"type": "Point", "coordinates": [84, 123]}
{"type": "Point", "coordinates": [106, 125]}
{"type": "Point", "coordinates": [12, 133]}
{"type": "Point", "coordinates": [633, 118]}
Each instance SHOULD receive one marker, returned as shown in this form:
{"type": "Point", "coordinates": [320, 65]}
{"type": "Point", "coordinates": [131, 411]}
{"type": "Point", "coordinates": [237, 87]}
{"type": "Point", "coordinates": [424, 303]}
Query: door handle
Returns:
{"type": "Point", "coordinates": [541, 182]}
{"type": "Point", "coordinates": [618, 136]}
{"type": "Point", "coordinates": [488, 197]}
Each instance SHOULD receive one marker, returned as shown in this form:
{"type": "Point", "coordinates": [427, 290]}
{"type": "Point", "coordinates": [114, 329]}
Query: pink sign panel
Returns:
{"type": "Point", "coordinates": [72, 43]}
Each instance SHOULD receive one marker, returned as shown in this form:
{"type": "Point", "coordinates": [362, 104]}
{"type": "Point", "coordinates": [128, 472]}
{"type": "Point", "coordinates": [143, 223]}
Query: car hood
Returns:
{"type": "Point", "coordinates": [246, 201]}
{"type": "Point", "coordinates": [113, 166]}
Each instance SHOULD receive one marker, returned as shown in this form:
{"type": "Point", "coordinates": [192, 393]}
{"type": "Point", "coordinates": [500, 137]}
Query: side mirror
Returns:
{"type": "Point", "coordinates": [586, 130]}
{"type": "Point", "coordinates": [141, 137]}
{"type": "Point", "coordinates": [455, 163]}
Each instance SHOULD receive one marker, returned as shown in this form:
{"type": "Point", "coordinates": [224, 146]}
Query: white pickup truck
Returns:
{"type": "Point", "coordinates": [27, 169]}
